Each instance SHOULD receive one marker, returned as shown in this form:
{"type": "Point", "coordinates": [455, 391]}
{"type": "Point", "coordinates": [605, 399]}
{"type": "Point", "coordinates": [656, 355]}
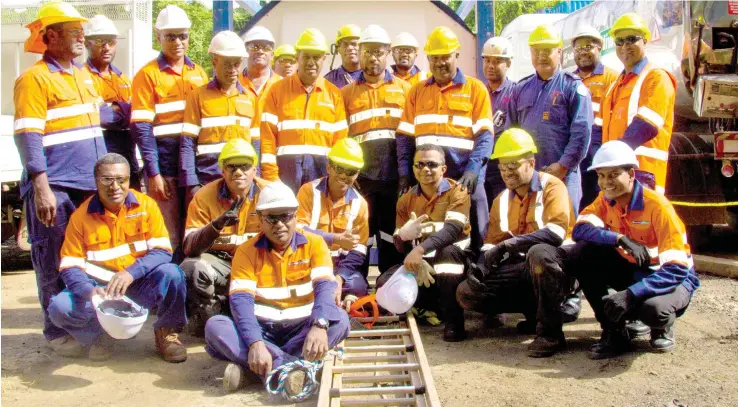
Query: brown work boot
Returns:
{"type": "Point", "coordinates": [102, 350]}
{"type": "Point", "coordinates": [295, 382]}
{"type": "Point", "coordinates": [545, 346]}
{"type": "Point", "coordinates": [67, 346]}
{"type": "Point", "coordinates": [169, 346]}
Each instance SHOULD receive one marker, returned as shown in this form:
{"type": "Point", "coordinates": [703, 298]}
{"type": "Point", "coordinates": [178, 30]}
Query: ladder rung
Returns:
{"type": "Point", "coordinates": [394, 318]}
{"type": "Point", "coordinates": [405, 401]}
{"type": "Point", "coordinates": [378, 358]}
{"type": "Point", "coordinates": [370, 391]}
{"type": "Point", "coordinates": [379, 332]}
{"type": "Point", "coordinates": [377, 368]}
{"type": "Point", "coordinates": [379, 348]}
{"type": "Point", "coordinates": [367, 342]}
{"type": "Point", "coordinates": [390, 378]}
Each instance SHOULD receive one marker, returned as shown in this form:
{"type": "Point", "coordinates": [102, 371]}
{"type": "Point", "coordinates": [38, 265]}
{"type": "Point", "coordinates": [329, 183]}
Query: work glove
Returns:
{"type": "Point", "coordinates": [403, 184]}
{"type": "Point", "coordinates": [493, 256]}
{"type": "Point", "coordinates": [468, 181]}
{"type": "Point", "coordinates": [476, 274]}
{"type": "Point", "coordinates": [617, 305]}
{"type": "Point", "coordinates": [412, 229]}
{"type": "Point", "coordinates": [229, 217]}
{"type": "Point", "coordinates": [635, 249]}
{"type": "Point", "coordinates": [425, 274]}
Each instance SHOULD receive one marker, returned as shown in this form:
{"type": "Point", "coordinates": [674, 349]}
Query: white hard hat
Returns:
{"type": "Point", "coordinates": [374, 34]}
{"type": "Point", "coordinates": [227, 44]}
{"type": "Point", "coordinates": [498, 47]}
{"type": "Point", "coordinates": [121, 319]}
{"type": "Point", "coordinates": [405, 39]}
{"type": "Point", "coordinates": [259, 33]}
{"type": "Point", "coordinates": [399, 293]}
{"type": "Point", "coordinates": [587, 30]}
{"type": "Point", "coordinates": [100, 25]}
{"type": "Point", "coordinates": [172, 17]}
{"type": "Point", "coordinates": [276, 195]}
{"type": "Point", "coordinates": [614, 154]}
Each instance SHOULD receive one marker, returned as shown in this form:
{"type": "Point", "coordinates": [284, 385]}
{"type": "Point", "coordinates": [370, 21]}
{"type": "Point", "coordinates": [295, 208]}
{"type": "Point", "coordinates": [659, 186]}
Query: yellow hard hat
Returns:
{"type": "Point", "coordinates": [441, 41]}
{"type": "Point", "coordinates": [347, 152]}
{"type": "Point", "coordinates": [348, 31]}
{"type": "Point", "coordinates": [513, 142]}
{"type": "Point", "coordinates": [284, 49]}
{"type": "Point", "coordinates": [311, 40]}
{"type": "Point", "coordinates": [53, 12]}
{"type": "Point", "coordinates": [545, 36]}
{"type": "Point", "coordinates": [237, 148]}
{"type": "Point", "coordinates": [630, 21]}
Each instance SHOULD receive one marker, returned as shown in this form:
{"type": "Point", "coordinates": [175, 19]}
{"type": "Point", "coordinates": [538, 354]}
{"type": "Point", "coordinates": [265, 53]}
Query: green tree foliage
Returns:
{"type": "Point", "coordinates": [505, 11]}
{"type": "Point", "coordinates": [202, 28]}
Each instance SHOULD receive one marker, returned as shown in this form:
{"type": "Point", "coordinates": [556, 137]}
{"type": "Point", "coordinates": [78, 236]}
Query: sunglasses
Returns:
{"type": "Point", "coordinates": [101, 42]}
{"type": "Point", "coordinates": [432, 165]}
{"type": "Point", "coordinates": [630, 40]}
{"type": "Point", "coordinates": [403, 50]}
{"type": "Point", "coordinates": [510, 166]}
{"type": "Point", "coordinates": [377, 53]}
{"type": "Point", "coordinates": [349, 172]}
{"type": "Point", "coordinates": [584, 48]}
{"type": "Point", "coordinates": [174, 37]}
{"type": "Point", "coordinates": [259, 47]}
{"type": "Point", "coordinates": [284, 218]}
{"type": "Point", "coordinates": [235, 167]}
{"type": "Point", "coordinates": [108, 181]}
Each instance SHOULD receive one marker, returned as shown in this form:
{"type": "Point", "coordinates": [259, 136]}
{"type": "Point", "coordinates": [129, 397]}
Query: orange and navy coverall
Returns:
{"type": "Point", "coordinates": [57, 131]}
{"type": "Point", "coordinates": [318, 214]}
{"type": "Point", "coordinates": [298, 128]}
{"type": "Point", "coordinates": [414, 76]}
{"type": "Point", "coordinates": [277, 298]}
{"type": "Point", "coordinates": [457, 117]}
{"type": "Point", "coordinates": [639, 110]}
{"type": "Point", "coordinates": [100, 243]}
{"type": "Point", "coordinates": [211, 119]}
{"type": "Point", "coordinates": [259, 95]}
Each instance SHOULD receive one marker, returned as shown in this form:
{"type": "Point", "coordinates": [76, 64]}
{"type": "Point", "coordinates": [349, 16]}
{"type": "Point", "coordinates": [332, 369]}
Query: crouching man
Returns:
{"type": "Point", "coordinates": [533, 209]}
{"type": "Point", "coordinates": [118, 236]}
{"type": "Point", "coordinates": [332, 208]}
{"type": "Point", "coordinates": [281, 297]}
{"type": "Point", "coordinates": [433, 224]}
{"type": "Point", "coordinates": [629, 239]}
{"type": "Point", "coordinates": [221, 216]}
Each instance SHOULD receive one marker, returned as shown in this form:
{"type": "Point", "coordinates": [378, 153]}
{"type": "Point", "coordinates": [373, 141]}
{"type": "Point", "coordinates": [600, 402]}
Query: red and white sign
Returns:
{"type": "Point", "coordinates": [726, 145]}
{"type": "Point", "coordinates": [733, 7]}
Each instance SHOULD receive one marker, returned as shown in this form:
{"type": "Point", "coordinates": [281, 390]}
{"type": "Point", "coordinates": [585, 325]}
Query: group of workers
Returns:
{"type": "Point", "coordinates": [266, 187]}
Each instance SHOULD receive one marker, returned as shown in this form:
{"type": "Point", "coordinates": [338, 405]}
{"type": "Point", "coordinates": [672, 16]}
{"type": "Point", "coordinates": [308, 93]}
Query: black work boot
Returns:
{"type": "Point", "coordinates": [663, 339]}
{"type": "Point", "coordinates": [612, 343]}
{"type": "Point", "coordinates": [454, 332]}
{"type": "Point", "coordinates": [637, 329]}
{"type": "Point", "coordinates": [546, 346]}
{"type": "Point", "coordinates": [571, 307]}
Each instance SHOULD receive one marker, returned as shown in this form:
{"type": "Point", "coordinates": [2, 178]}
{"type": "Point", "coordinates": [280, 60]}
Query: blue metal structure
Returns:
{"type": "Point", "coordinates": [566, 7]}
{"type": "Point", "coordinates": [485, 29]}
{"type": "Point", "coordinates": [222, 16]}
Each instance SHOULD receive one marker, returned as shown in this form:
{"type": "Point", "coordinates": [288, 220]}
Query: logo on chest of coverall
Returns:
{"type": "Point", "coordinates": [297, 263]}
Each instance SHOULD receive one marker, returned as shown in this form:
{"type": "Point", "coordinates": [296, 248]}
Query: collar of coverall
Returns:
{"type": "Point", "coordinates": [388, 77]}
{"type": "Point", "coordinates": [459, 79]}
{"type": "Point", "coordinates": [639, 67]}
{"type": "Point", "coordinates": [163, 64]}
{"type": "Point", "coordinates": [534, 186]}
{"type": "Point", "coordinates": [318, 86]}
{"type": "Point", "coordinates": [506, 83]}
{"type": "Point", "coordinates": [225, 194]}
{"type": "Point", "coordinates": [245, 73]}
{"type": "Point", "coordinates": [54, 66]}
{"type": "Point", "coordinates": [297, 240]}
{"type": "Point", "coordinates": [213, 84]}
{"type": "Point", "coordinates": [636, 202]}
{"type": "Point", "coordinates": [323, 188]}
{"type": "Point", "coordinates": [94, 69]}
{"type": "Point", "coordinates": [599, 69]}
{"type": "Point", "coordinates": [445, 186]}
{"type": "Point", "coordinates": [412, 72]}
{"type": "Point", "coordinates": [96, 206]}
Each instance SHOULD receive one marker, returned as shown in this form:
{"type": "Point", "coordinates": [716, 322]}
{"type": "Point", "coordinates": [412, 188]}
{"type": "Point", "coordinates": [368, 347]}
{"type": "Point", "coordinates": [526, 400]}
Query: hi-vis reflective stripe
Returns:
{"type": "Point", "coordinates": [315, 214]}
{"type": "Point", "coordinates": [268, 159]}
{"type": "Point", "coordinates": [377, 112]}
{"type": "Point", "coordinates": [481, 123]}
{"type": "Point", "coordinates": [354, 211]}
{"type": "Point", "coordinates": [558, 230]}
{"type": "Point", "coordinates": [653, 117]}
{"type": "Point", "coordinates": [29, 123]}
{"type": "Point", "coordinates": [652, 153]}
{"type": "Point", "coordinates": [97, 272]}
{"type": "Point", "coordinates": [595, 107]}
{"type": "Point", "coordinates": [443, 119]}
{"type": "Point", "coordinates": [190, 128]}
{"type": "Point", "coordinates": [276, 314]}
{"type": "Point", "coordinates": [453, 142]}
{"type": "Point", "coordinates": [598, 121]}
{"type": "Point", "coordinates": [67, 262]}
{"type": "Point", "coordinates": [311, 125]}
{"type": "Point", "coordinates": [69, 111]}
{"type": "Point", "coordinates": [635, 96]}
{"type": "Point", "coordinates": [240, 284]}
{"type": "Point", "coordinates": [208, 122]}
{"type": "Point", "coordinates": [456, 269]}
{"type": "Point", "coordinates": [592, 219]}
{"type": "Point", "coordinates": [147, 115]}
{"type": "Point", "coordinates": [386, 237]}
{"type": "Point", "coordinates": [168, 129]}
{"type": "Point", "coordinates": [115, 252]}
{"type": "Point", "coordinates": [660, 189]}
{"type": "Point", "coordinates": [456, 216]}
{"type": "Point", "coordinates": [300, 150]}
{"type": "Point", "coordinates": [538, 211]}
{"type": "Point", "coordinates": [159, 243]}
{"type": "Point", "coordinates": [504, 208]}
{"type": "Point", "coordinates": [169, 107]}
{"type": "Point", "coordinates": [360, 248]}
{"type": "Point", "coordinates": [653, 252]}
{"type": "Point", "coordinates": [283, 293]}
{"type": "Point", "coordinates": [678, 256]}
{"type": "Point", "coordinates": [255, 133]}
{"type": "Point", "coordinates": [375, 135]}
{"type": "Point", "coordinates": [269, 118]}
{"type": "Point", "coordinates": [319, 272]}
{"type": "Point", "coordinates": [210, 148]}
{"type": "Point", "coordinates": [70, 136]}
{"type": "Point", "coordinates": [462, 244]}
{"type": "Point", "coordinates": [406, 127]}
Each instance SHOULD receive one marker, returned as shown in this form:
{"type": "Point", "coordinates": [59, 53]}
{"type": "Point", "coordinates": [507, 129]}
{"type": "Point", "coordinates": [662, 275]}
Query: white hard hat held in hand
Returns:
{"type": "Point", "coordinates": [121, 319]}
{"type": "Point", "coordinates": [399, 293]}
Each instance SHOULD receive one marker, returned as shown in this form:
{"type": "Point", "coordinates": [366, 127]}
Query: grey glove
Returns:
{"type": "Point", "coordinates": [468, 181]}
{"type": "Point", "coordinates": [637, 250]}
{"type": "Point", "coordinates": [229, 217]}
{"type": "Point", "coordinates": [403, 184]}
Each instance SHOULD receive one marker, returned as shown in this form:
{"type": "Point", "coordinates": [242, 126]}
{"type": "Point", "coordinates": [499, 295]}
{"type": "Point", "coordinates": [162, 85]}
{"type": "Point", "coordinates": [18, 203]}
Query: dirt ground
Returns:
{"type": "Point", "coordinates": [490, 369]}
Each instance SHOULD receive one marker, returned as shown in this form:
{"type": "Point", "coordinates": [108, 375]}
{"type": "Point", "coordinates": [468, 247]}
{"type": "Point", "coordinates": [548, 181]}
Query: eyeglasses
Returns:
{"type": "Point", "coordinates": [349, 172]}
{"type": "Point", "coordinates": [235, 167]}
{"type": "Point", "coordinates": [630, 40]}
{"type": "Point", "coordinates": [286, 61]}
{"type": "Point", "coordinates": [260, 47]}
{"type": "Point", "coordinates": [510, 166]}
{"type": "Point", "coordinates": [101, 42]}
{"type": "Point", "coordinates": [174, 37]}
{"type": "Point", "coordinates": [543, 52]}
{"type": "Point", "coordinates": [584, 48]}
{"type": "Point", "coordinates": [404, 50]}
{"type": "Point", "coordinates": [108, 181]}
{"type": "Point", "coordinates": [377, 53]}
{"type": "Point", "coordinates": [432, 165]}
{"type": "Point", "coordinates": [284, 218]}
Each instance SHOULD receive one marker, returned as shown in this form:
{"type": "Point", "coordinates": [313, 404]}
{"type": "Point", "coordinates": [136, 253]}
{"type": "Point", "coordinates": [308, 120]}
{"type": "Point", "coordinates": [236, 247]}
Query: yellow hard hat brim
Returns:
{"type": "Point", "coordinates": [646, 33]}
{"type": "Point", "coordinates": [514, 153]}
{"type": "Point", "coordinates": [314, 49]}
{"type": "Point", "coordinates": [546, 44]}
{"type": "Point", "coordinates": [349, 163]}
